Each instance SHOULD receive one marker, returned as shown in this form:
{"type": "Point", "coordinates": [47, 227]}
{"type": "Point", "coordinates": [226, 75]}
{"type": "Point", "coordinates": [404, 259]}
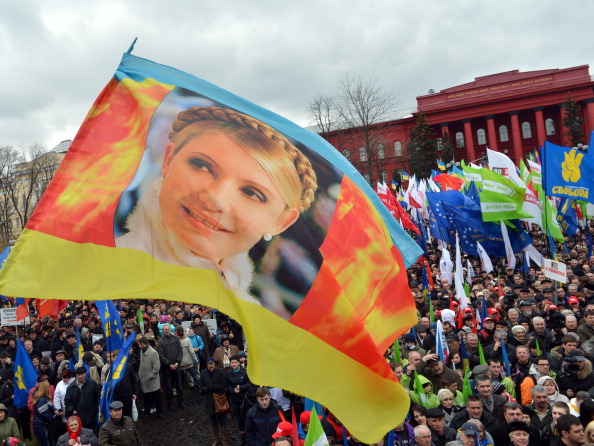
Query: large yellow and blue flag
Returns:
{"type": "Point", "coordinates": [112, 325]}
{"type": "Point", "coordinates": [25, 375]}
{"type": "Point", "coordinates": [566, 172]}
{"type": "Point", "coordinates": [176, 189]}
{"type": "Point", "coordinates": [114, 376]}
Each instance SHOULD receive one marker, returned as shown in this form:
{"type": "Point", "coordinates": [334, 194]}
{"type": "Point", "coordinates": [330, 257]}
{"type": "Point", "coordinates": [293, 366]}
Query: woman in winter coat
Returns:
{"type": "Point", "coordinates": [78, 434]}
{"type": "Point", "coordinates": [189, 360]}
{"type": "Point", "coordinates": [213, 381]}
{"type": "Point", "coordinates": [197, 343]}
{"type": "Point", "coordinates": [8, 425]}
{"type": "Point", "coordinates": [43, 413]}
{"type": "Point", "coordinates": [552, 389]}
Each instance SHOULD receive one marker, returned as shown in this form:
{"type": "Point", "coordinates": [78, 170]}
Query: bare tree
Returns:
{"type": "Point", "coordinates": [353, 116]}
{"type": "Point", "coordinates": [24, 176]}
{"type": "Point", "coordinates": [322, 113]}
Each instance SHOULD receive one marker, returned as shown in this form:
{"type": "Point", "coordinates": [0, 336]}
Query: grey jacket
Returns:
{"type": "Point", "coordinates": [149, 370]}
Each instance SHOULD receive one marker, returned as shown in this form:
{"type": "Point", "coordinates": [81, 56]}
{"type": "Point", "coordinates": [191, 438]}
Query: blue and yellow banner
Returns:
{"type": "Point", "coordinates": [567, 172]}
{"type": "Point", "coordinates": [25, 376]}
{"type": "Point", "coordinates": [112, 325]}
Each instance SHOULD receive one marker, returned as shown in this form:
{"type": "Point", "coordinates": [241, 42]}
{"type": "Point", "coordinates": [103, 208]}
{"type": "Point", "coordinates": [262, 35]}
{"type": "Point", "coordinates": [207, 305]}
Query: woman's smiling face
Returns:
{"type": "Point", "coordinates": [217, 199]}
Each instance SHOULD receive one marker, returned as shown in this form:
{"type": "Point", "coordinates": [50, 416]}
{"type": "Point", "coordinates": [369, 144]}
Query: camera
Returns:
{"type": "Point", "coordinates": [571, 368]}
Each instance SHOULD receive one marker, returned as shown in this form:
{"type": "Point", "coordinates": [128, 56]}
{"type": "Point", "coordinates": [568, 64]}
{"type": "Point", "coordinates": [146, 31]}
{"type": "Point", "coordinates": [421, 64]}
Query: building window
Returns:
{"type": "Point", "coordinates": [481, 138]}
{"type": "Point", "coordinates": [526, 130]}
{"type": "Point", "coordinates": [503, 135]}
{"type": "Point", "coordinates": [384, 175]}
{"type": "Point", "coordinates": [397, 148]}
{"type": "Point", "coordinates": [347, 154]}
{"type": "Point", "coordinates": [550, 126]}
{"type": "Point", "coordinates": [459, 140]}
{"type": "Point", "coordinates": [438, 144]}
{"type": "Point", "coordinates": [367, 177]}
{"type": "Point", "coordinates": [363, 154]}
{"type": "Point", "coordinates": [380, 152]}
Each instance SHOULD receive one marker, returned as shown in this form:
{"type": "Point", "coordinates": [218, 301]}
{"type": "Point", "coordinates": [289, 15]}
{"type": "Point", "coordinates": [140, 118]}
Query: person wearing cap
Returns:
{"type": "Point", "coordinates": [410, 344]}
{"type": "Point", "coordinates": [576, 375]}
{"type": "Point", "coordinates": [486, 333]}
{"type": "Point", "coordinates": [82, 399]}
{"type": "Point", "coordinates": [440, 434]}
{"type": "Point", "coordinates": [468, 432]}
{"type": "Point", "coordinates": [284, 429]}
{"type": "Point", "coordinates": [571, 431]}
{"type": "Point", "coordinates": [118, 430]}
{"type": "Point", "coordinates": [432, 367]}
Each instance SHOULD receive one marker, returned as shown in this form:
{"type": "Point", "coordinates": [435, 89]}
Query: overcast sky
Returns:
{"type": "Point", "coordinates": [56, 56]}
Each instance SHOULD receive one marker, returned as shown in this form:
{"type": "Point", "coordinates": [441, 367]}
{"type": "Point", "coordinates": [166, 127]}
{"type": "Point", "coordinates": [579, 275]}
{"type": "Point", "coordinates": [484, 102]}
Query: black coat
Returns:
{"type": "Point", "coordinates": [210, 383]}
{"type": "Point", "coordinates": [240, 379]}
{"type": "Point", "coordinates": [261, 423]}
{"type": "Point", "coordinates": [6, 398]}
{"type": "Point", "coordinates": [85, 401]}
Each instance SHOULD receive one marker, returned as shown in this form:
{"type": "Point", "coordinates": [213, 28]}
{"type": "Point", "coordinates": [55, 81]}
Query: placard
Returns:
{"type": "Point", "coordinates": [8, 317]}
{"type": "Point", "coordinates": [555, 270]}
{"type": "Point", "coordinates": [212, 326]}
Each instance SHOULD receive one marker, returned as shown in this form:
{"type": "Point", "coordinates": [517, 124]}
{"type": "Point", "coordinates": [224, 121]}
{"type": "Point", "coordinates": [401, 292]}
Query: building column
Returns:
{"type": "Point", "coordinates": [589, 118]}
{"type": "Point", "coordinates": [516, 136]}
{"type": "Point", "coordinates": [562, 130]}
{"type": "Point", "coordinates": [446, 129]}
{"type": "Point", "coordinates": [491, 133]}
{"type": "Point", "coordinates": [468, 140]}
{"type": "Point", "coordinates": [540, 125]}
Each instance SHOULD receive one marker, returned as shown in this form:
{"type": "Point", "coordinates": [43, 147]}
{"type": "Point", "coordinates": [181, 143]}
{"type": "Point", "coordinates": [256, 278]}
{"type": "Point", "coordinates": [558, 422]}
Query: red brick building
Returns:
{"type": "Point", "coordinates": [511, 112]}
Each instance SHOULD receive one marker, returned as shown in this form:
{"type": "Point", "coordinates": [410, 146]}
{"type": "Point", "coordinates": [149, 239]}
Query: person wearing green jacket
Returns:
{"type": "Point", "coordinates": [425, 397]}
{"type": "Point", "coordinates": [8, 425]}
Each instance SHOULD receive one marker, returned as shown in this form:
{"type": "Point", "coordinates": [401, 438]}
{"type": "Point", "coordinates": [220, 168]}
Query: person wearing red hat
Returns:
{"type": "Point", "coordinates": [283, 429]}
{"type": "Point", "coordinates": [486, 334]}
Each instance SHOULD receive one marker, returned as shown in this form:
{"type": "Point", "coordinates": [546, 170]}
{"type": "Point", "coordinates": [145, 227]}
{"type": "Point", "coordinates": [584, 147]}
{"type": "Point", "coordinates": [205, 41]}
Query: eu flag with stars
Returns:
{"type": "Point", "coordinates": [25, 375]}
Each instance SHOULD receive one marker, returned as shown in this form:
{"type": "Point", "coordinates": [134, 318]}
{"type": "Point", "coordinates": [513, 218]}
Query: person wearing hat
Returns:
{"type": "Point", "coordinates": [118, 430]}
{"type": "Point", "coordinates": [519, 433]}
{"type": "Point", "coordinates": [410, 345]}
{"type": "Point", "coordinates": [577, 374]}
{"type": "Point", "coordinates": [568, 344]}
{"type": "Point", "coordinates": [94, 363]}
{"type": "Point", "coordinates": [432, 367]}
{"type": "Point", "coordinates": [202, 330]}
{"type": "Point", "coordinates": [440, 434]}
{"type": "Point", "coordinates": [82, 399]}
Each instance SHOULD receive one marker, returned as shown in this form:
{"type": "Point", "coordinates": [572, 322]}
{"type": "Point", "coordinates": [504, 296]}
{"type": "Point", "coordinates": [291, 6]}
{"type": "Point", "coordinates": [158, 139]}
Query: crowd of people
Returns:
{"type": "Point", "coordinates": [517, 368]}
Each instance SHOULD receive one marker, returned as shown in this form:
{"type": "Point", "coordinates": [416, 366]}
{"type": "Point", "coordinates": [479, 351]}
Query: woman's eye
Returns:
{"type": "Point", "coordinates": [200, 164]}
{"type": "Point", "coordinates": [255, 193]}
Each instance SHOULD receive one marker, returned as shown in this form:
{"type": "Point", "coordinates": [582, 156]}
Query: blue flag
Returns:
{"type": "Point", "coordinates": [25, 375]}
{"type": "Point", "coordinates": [505, 358]}
{"type": "Point", "coordinates": [112, 325]}
{"type": "Point", "coordinates": [567, 216]}
{"type": "Point", "coordinates": [567, 172]}
{"type": "Point", "coordinates": [114, 376]}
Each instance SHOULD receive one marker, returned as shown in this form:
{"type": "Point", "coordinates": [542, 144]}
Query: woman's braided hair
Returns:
{"type": "Point", "coordinates": [302, 165]}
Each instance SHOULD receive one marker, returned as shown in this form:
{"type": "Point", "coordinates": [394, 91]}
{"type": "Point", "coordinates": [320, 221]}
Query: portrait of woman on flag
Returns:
{"type": "Point", "coordinates": [226, 183]}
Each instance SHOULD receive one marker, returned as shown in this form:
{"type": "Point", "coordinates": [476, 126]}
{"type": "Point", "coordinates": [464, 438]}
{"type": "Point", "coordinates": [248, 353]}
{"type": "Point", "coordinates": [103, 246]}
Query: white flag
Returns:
{"type": "Point", "coordinates": [469, 271]}
{"type": "Point", "coordinates": [485, 259]}
{"type": "Point", "coordinates": [509, 252]}
{"type": "Point", "coordinates": [459, 277]}
{"type": "Point", "coordinates": [445, 265]}
{"type": "Point", "coordinates": [535, 256]}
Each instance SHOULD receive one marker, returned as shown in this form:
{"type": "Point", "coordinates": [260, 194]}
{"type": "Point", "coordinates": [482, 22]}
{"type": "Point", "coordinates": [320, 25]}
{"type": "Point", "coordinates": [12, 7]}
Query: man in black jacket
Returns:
{"type": "Point", "coordinates": [171, 354]}
{"type": "Point", "coordinates": [512, 411]}
{"type": "Point", "coordinates": [82, 399]}
{"type": "Point", "coordinates": [262, 419]}
{"type": "Point", "coordinates": [440, 434]}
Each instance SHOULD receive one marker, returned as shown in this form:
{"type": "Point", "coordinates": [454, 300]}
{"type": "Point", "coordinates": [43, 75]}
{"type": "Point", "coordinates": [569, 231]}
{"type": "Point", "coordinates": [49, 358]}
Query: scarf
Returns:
{"type": "Point", "coordinates": [74, 434]}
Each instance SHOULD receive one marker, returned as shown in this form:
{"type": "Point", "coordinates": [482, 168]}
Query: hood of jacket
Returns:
{"type": "Point", "coordinates": [540, 382]}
